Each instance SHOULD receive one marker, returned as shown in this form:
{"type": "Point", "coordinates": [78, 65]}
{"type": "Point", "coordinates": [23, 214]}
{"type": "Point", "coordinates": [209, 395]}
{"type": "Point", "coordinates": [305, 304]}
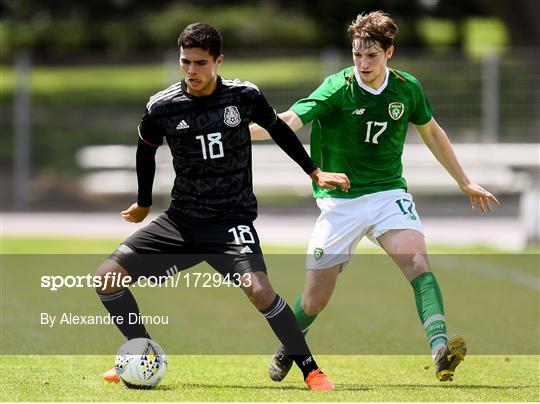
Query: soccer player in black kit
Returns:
{"type": "Point", "coordinates": [205, 120]}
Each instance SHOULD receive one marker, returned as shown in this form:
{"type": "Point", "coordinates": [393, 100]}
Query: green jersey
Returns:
{"type": "Point", "coordinates": [360, 131]}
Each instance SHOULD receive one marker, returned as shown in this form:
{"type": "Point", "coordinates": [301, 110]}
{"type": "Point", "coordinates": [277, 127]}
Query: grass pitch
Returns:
{"type": "Point", "coordinates": [358, 377]}
{"type": "Point", "coordinates": [243, 378]}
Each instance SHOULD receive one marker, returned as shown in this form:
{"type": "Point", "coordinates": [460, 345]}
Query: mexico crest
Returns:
{"type": "Point", "coordinates": [396, 110]}
{"type": "Point", "coordinates": [231, 116]}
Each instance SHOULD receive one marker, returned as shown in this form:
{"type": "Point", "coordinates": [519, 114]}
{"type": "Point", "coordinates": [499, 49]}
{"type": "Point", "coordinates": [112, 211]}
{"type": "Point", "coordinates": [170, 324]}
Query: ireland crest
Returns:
{"type": "Point", "coordinates": [396, 110]}
{"type": "Point", "coordinates": [231, 116]}
{"type": "Point", "coordinates": [318, 253]}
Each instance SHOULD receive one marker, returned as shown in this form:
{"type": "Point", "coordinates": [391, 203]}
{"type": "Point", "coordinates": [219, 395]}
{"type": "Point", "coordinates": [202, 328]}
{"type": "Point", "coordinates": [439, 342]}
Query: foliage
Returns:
{"type": "Point", "coordinates": [156, 29]}
{"type": "Point", "coordinates": [126, 27]}
{"type": "Point", "coordinates": [84, 105]}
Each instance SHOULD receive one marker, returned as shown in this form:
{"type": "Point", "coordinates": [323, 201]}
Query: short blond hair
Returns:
{"type": "Point", "coordinates": [375, 28]}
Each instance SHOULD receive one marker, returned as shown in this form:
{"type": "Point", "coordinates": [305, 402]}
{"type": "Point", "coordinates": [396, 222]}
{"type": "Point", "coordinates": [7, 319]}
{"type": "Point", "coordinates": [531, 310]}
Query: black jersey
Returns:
{"type": "Point", "coordinates": [211, 146]}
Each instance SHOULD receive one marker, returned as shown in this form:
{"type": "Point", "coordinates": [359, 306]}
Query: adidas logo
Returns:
{"type": "Point", "coordinates": [182, 125]}
{"type": "Point", "coordinates": [358, 111]}
{"type": "Point", "coordinates": [246, 250]}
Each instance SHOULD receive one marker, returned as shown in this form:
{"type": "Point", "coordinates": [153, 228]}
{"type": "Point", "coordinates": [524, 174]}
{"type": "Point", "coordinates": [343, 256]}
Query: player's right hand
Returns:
{"type": "Point", "coordinates": [135, 213]}
{"type": "Point", "coordinates": [481, 198]}
{"type": "Point", "coordinates": [331, 180]}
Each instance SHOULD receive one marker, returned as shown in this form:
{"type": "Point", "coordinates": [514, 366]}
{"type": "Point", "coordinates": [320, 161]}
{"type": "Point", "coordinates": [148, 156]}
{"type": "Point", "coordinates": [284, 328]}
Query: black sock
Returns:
{"type": "Point", "coordinates": [281, 318]}
{"type": "Point", "coordinates": [121, 304]}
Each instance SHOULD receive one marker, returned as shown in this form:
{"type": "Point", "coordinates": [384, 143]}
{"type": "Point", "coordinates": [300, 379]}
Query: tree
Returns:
{"type": "Point", "coordinates": [521, 18]}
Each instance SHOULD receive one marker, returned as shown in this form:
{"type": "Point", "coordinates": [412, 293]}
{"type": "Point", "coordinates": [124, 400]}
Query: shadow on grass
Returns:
{"type": "Point", "coordinates": [246, 387]}
{"type": "Point", "coordinates": [161, 387]}
{"type": "Point", "coordinates": [355, 387]}
{"type": "Point", "coordinates": [339, 387]}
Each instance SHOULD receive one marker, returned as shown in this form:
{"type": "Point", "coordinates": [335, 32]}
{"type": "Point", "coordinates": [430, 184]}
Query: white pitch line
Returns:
{"type": "Point", "coordinates": [514, 275]}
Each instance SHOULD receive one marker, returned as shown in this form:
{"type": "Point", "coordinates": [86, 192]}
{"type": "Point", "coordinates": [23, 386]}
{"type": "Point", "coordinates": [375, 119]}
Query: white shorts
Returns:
{"type": "Point", "coordinates": [343, 222]}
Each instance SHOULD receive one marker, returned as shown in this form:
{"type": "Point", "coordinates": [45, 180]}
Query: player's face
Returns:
{"type": "Point", "coordinates": [370, 61]}
{"type": "Point", "coordinates": [200, 70]}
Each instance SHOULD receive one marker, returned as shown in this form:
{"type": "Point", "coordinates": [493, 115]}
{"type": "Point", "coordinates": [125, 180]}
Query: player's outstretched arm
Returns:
{"type": "Point", "coordinates": [257, 132]}
{"type": "Point", "coordinates": [437, 141]}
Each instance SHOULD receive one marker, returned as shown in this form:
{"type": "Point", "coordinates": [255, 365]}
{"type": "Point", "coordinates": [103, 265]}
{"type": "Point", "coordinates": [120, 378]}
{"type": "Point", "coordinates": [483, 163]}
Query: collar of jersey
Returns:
{"type": "Point", "coordinates": [183, 85]}
{"type": "Point", "coordinates": [369, 89]}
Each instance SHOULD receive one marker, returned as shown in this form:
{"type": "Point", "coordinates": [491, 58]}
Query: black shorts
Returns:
{"type": "Point", "coordinates": [170, 244]}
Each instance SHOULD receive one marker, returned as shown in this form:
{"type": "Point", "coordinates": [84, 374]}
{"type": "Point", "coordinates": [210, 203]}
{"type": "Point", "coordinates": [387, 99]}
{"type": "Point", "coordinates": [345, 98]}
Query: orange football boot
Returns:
{"type": "Point", "coordinates": [111, 376]}
{"type": "Point", "coordinates": [318, 381]}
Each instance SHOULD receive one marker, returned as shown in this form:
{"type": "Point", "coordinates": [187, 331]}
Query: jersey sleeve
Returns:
{"type": "Point", "coordinates": [321, 102]}
{"type": "Point", "coordinates": [422, 113]}
{"type": "Point", "coordinates": [263, 114]}
{"type": "Point", "coordinates": [149, 130]}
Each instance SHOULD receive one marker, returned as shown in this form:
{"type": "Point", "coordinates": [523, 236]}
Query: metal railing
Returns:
{"type": "Point", "coordinates": [495, 99]}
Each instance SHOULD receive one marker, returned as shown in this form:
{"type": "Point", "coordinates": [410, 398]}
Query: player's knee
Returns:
{"type": "Point", "coordinates": [415, 265]}
{"type": "Point", "coordinates": [108, 278]}
{"type": "Point", "coordinates": [420, 263]}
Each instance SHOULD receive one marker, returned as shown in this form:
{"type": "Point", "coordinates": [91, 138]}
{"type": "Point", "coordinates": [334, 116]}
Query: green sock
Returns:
{"type": "Point", "coordinates": [429, 303]}
{"type": "Point", "coordinates": [304, 320]}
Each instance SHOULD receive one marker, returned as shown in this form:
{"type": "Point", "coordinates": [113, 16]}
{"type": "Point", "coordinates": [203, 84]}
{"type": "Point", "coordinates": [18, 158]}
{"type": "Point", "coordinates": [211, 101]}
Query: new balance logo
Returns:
{"type": "Point", "coordinates": [358, 111]}
{"type": "Point", "coordinates": [182, 125]}
{"type": "Point", "coordinates": [246, 250]}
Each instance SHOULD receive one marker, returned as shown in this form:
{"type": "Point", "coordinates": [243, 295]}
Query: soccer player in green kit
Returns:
{"type": "Point", "coordinates": [359, 122]}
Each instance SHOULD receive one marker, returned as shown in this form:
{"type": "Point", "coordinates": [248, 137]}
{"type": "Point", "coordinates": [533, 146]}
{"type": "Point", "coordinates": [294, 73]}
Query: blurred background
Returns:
{"type": "Point", "coordinates": [75, 78]}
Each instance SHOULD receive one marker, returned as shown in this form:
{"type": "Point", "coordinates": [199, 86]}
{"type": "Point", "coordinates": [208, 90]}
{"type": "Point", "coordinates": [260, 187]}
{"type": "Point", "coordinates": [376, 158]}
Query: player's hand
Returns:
{"type": "Point", "coordinates": [480, 198]}
{"type": "Point", "coordinates": [330, 180]}
{"type": "Point", "coordinates": [135, 213]}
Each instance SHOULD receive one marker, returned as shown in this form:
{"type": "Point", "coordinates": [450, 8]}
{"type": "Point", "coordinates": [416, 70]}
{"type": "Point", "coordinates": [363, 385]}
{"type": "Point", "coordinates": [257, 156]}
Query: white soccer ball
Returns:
{"type": "Point", "coordinates": [141, 363]}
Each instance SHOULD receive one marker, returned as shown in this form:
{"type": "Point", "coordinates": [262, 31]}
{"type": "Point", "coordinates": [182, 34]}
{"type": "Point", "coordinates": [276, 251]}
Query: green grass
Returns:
{"type": "Point", "coordinates": [243, 378]}
{"type": "Point", "coordinates": [56, 245]}
{"type": "Point", "coordinates": [371, 315]}
{"type": "Point", "coordinates": [130, 83]}
{"type": "Point", "coordinates": [81, 245]}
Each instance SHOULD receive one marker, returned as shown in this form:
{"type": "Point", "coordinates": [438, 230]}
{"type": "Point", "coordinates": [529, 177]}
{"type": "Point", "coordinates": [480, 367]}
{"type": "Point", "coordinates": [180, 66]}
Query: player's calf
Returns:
{"type": "Point", "coordinates": [313, 306]}
{"type": "Point", "coordinates": [259, 290]}
{"type": "Point", "coordinates": [118, 299]}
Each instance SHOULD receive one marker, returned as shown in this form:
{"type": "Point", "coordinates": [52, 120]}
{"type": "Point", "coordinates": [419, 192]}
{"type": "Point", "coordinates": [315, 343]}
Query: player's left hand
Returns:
{"type": "Point", "coordinates": [135, 213]}
{"type": "Point", "coordinates": [480, 197]}
{"type": "Point", "coordinates": [330, 180]}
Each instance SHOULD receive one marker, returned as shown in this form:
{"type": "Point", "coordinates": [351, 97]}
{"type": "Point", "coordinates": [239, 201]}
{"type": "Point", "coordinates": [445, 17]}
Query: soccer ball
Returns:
{"type": "Point", "coordinates": [141, 363]}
